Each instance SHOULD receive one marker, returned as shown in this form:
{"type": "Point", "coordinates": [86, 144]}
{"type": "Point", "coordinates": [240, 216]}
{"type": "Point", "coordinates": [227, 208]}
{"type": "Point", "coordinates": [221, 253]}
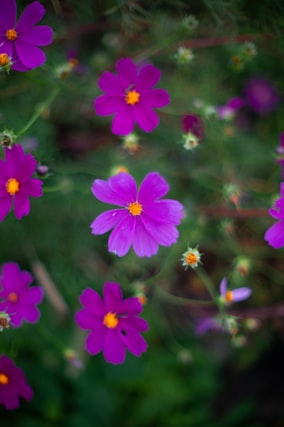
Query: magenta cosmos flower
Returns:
{"type": "Point", "coordinates": [144, 221]}
{"type": "Point", "coordinates": [17, 298]}
{"type": "Point", "coordinates": [113, 323]}
{"type": "Point", "coordinates": [16, 184]}
{"type": "Point", "coordinates": [236, 295]}
{"type": "Point", "coordinates": [131, 97]}
{"type": "Point", "coordinates": [20, 40]}
{"type": "Point", "coordinates": [13, 384]}
{"type": "Point", "coordinates": [261, 95]}
{"type": "Point", "coordinates": [229, 110]}
{"type": "Point", "coordinates": [275, 234]}
{"type": "Point", "coordinates": [193, 123]}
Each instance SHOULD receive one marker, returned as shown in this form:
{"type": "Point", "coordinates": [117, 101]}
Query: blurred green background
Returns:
{"type": "Point", "coordinates": [183, 380]}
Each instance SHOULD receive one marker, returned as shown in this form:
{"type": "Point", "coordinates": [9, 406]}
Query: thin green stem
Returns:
{"type": "Point", "coordinates": [166, 296]}
{"type": "Point", "coordinates": [39, 111]}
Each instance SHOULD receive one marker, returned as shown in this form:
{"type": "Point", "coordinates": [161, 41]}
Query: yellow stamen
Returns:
{"type": "Point", "coordinates": [4, 379]}
{"type": "Point", "coordinates": [110, 320]}
{"type": "Point", "coordinates": [135, 208]}
{"type": "Point", "coordinates": [12, 186]}
{"type": "Point", "coordinates": [132, 97]}
{"type": "Point", "coordinates": [11, 34]}
{"type": "Point", "coordinates": [4, 59]}
{"type": "Point", "coordinates": [13, 297]}
{"type": "Point", "coordinates": [229, 296]}
{"type": "Point", "coordinates": [191, 258]}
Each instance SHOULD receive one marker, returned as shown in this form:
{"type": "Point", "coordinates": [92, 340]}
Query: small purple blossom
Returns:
{"type": "Point", "coordinates": [144, 221]}
{"type": "Point", "coordinates": [13, 384]}
{"type": "Point", "coordinates": [261, 96]}
{"type": "Point", "coordinates": [193, 123]}
{"type": "Point", "coordinates": [131, 97]}
{"type": "Point", "coordinates": [275, 234]}
{"type": "Point", "coordinates": [229, 110]}
{"type": "Point", "coordinates": [16, 184]}
{"type": "Point", "coordinates": [17, 298]}
{"type": "Point", "coordinates": [206, 324]}
{"type": "Point", "coordinates": [21, 40]}
{"type": "Point", "coordinates": [113, 323]}
{"type": "Point", "coordinates": [236, 295]}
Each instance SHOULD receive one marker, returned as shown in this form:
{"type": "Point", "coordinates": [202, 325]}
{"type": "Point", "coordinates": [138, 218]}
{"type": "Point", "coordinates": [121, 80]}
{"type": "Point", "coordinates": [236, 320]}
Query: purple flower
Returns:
{"type": "Point", "coordinates": [113, 323]}
{"type": "Point", "coordinates": [16, 184]}
{"type": "Point", "coordinates": [16, 297]}
{"type": "Point", "coordinates": [20, 40]}
{"type": "Point", "coordinates": [229, 297]}
{"type": "Point", "coordinates": [144, 220]}
{"type": "Point", "coordinates": [229, 110]}
{"type": "Point", "coordinates": [280, 154]}
{"type": "Point", "coordinates": [13, 384]}
{"type": "Point", "coordinates": [193, 123]}
{"type": "Point", "coordinates": [275, 234]}
{"type": "Point", "coordinates": [206, 324]}
{"type": "Point", "coordinates": [131, 97]}
{"type": "Point", "coordinates": [261, 95]}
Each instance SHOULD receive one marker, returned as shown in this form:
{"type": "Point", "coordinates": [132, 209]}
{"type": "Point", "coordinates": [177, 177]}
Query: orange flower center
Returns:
{"type": "Point", "coordinates": [229, 296]}
{"type": "Point", "coordinates": [12, 186]}
{"type": "Point", "coordinates": [13, 297]}
{"type": "Point", "coordinates": [110, 320]}
{"type": "Point", "coordinates": [132, 97]}
{"type": "Point", "coordinates": [4, 379]}
{"type": "Point", "coordinates": [135, 208]}
{"type": "Point", "coordinates": [4, 59]}
{"type": "Point", "coordinates": [11, 34]}
{"type": "Point", "coordinates": [191, 258]}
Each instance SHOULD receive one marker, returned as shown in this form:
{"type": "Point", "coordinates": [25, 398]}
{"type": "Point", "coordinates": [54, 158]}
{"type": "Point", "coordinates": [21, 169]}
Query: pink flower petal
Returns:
{"type": "Point", "coordinates": [153, 187]}
{"type": "Point", "coordinates": [144, 245]}
{"type": "Point", "coordinates": [124, 185]}
{"type": "Point", "coordinates": [134, 342]}
{"type": "Point", "coordinates": [14, 159]}
{"type": "Point", "coordinates": [112, 296]}
{"type": "Point", "coordinates": [166, 210]}
{"type": "Point", "coordinates": [241, 294]}
{"type": "Point", "coordinates": [123, 122]}
{"type": "Point", "coordinates": [148, 77]}
{"type": "Point", "coordinates": [29, 55]}
{"type": "Point", "coordinates": [93, 302]}
{"type": "Point", "coordinates": [155, 98]}
{"type": "Point", "coordinates": [32, 14]}
{"type": "Point", "coordinates": [275, 235]}
{"type": "Point", "coordinates": [102, 191]}
{"type": "Point", "coordinates": [146, 118]}
{"type": "Point", "coordinates": [127, 72]}
{"type": "Point", "coordinates": [39, 36]}
{"type": "Point", "coordinates": [120, 240]}
{"type": "Point", "coordinates": [105, 105]}
{"type": "Point", "coordinates": [8, 14]}
{"type": "Point", "coordinates": [114, 350]}
{"type": "Point", "coordinates": [132, 323]}
{"type": "Point", "coordinates": [110, 84]}
{"type": "Point", "coordinates": [107, 220]}
{"type": "Point", "coordinates": [164, 234]}
{"type": "Point", "coordinates": [223, 286]}
{"type": "Point", "coordinates": [87, 320]}
{"type": "Point", "coordinates": [22, 205]}
{"type": "Point", "coordinates": [95, 341]}
{"type": "Point", "coordinates": [132, 306]}
{"type": "Point", "coordinates": [5, 206]}
{"type": "Point", "coordinates": [32, 187]}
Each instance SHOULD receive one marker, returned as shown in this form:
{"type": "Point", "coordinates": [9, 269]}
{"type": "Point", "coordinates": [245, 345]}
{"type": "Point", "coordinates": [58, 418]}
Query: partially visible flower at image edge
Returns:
{"type": "Point", "coordinates": [20, 40]}
{"type": "Point", "coordinates": [280, 154]}
{"type": "Point", "coordinates": [113, 323]}
{"type": "Point", "coordinates": [275, 234]}
{"type": "Point", "coordinates": [17, 297]}
{"type": "Point", "coordinates": [13, 384]}
{"type": "Point", "coordinates": [230, 296]}
{"type": "Point", "coordinates": [16, 183]}
{"type": "Point", "coordinates": [130, 96]}
{"type": "Point", "coordinates": [144, 221]}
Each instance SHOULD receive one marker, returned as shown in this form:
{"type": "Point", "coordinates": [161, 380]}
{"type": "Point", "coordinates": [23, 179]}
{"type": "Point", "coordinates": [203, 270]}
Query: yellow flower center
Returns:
{"type": "Point", "coordinates": [4, 59]}
{"type": "Point", "coordinates": [135, 208]}
{"type": "Point", "coordinates": [11, 34]}
{"type": "Point", "coordinates": [110, 320]}
{"type": "Point", "coordinates": [132, 97]}
{"type": "Point", "coordinates": [4, 379]}
{"type": "Point", "coordinates": [12, 186]}
{"type": "Point", "coordinates": [13, 297]}
{"type": "Point", "coordinates": [229, 296]}
{"type": "Point", "coordinates": [191, 258]}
